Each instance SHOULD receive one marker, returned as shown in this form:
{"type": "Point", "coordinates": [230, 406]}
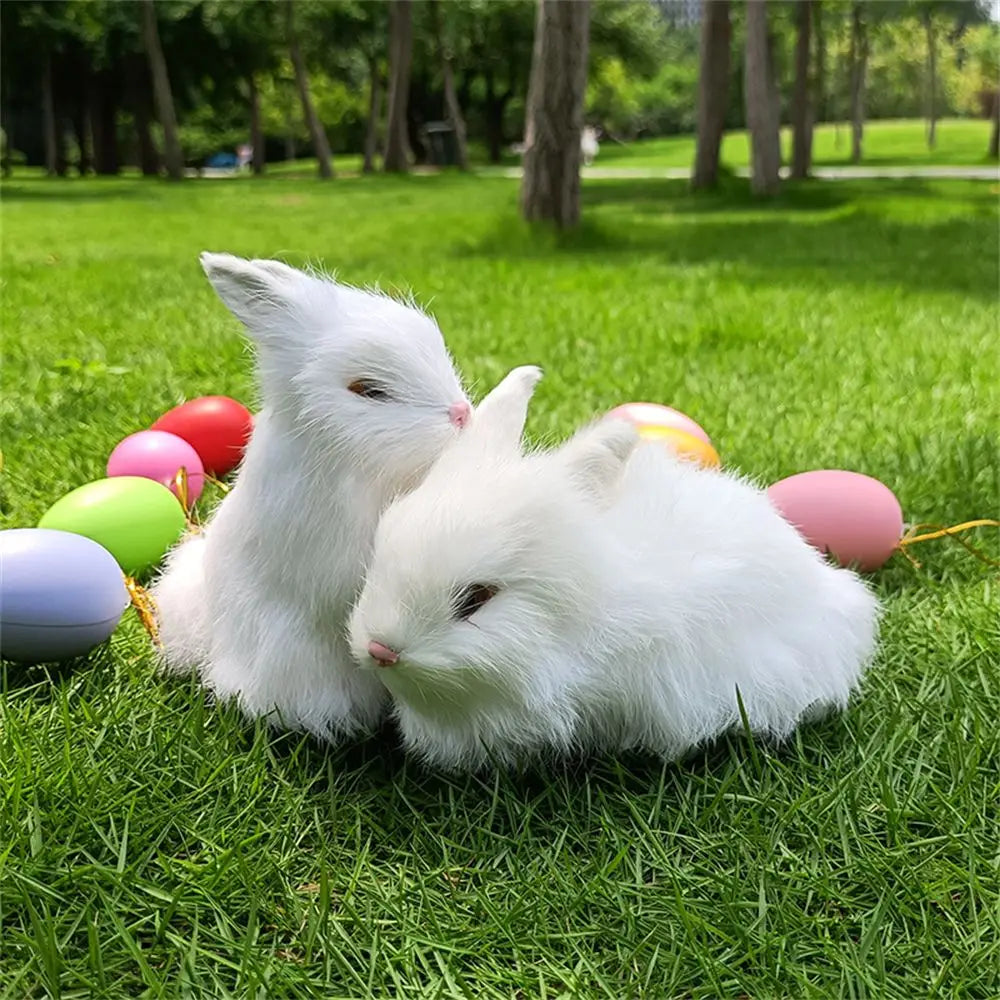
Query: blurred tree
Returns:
{"type": "Point", "coordinates": [77, 86]}
{"type": "Point", "coordinates": [762, 117]}
{"type": "Point", "coordinates": [397, 143]}
{"type": "Point", "coordinates": [978, 87]}
{"type": "Point", "coordinates": [550, 188]}
{"type": "Point", "coordinates": [316, 133]}
{"type": "Point", "coordinates": [993, 152]}
{"type": "Point", "coordinates": [820, 112]}
{"type": "Point", "coordinates": [802, 113]}
{"type": "Point", "coordinates": [172, 155]}
{"type": "Point", "coordinates": [244, 35]}
{"type": "Point", "coordinates": [372, 28]}
{"type": "Point", "coordinates": [858, 66]}
{"type": "Point", "coordinates": [492, 42]}
{"type": "Point", "coordinates": [713, 87]}
{"type": "Point", "coordinates": [452, 107]}
{"type": "Point", "coordinates": [43, 33]}
{"type": "Point", "coordinates": [937, 17]}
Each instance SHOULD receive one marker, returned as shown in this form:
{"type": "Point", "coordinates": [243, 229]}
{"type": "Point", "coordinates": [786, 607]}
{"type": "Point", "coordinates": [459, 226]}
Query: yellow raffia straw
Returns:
{"type": "Point", "coordinates": [215, 482]}
{"type": "Point", "coordinates": [180, 481]}
{"type": "Point", "coordinates": [913, 536]}
{"type": "Point", "coordinates": [144, 604]}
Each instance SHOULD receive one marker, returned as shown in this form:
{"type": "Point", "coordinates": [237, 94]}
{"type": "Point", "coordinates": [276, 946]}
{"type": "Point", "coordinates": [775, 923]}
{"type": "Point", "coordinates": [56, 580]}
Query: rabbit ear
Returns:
{"type": "Point", "coordinates": [498, 421]}
{"type": "Point", "coordinates": [597, 455]}
{"type": "Point", "coordinates": [253, 290]}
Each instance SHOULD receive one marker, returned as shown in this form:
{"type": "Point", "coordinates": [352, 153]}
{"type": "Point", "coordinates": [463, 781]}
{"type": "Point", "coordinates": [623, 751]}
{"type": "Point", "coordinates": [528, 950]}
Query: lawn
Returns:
{"type": "Point", "coordinates": [960, 142]}
{"type": "Point", "coordinates": [153, 845]}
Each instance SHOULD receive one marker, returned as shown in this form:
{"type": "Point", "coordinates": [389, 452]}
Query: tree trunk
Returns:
{"type": "Point", "coordinates": [137, 99]}
{"type": "Point", "coordinates": [316, 133]}
{"type": "Point", "coordinates": [374, 110]}
{"type": "Point", "coordinates": [256, 133]}
{"type": "Point", "coordinates": [8, 140]}
{"type": "Point", "coordinates": [453, 110]}
{"type": "Point", "coordinates": [772, 80]}
{"type": "Point", "coordinates": [550, 188]}
{"type": "Point", "coordinates": [859, 68]}
{"type": "Point", "coordinates": [820, 110]}
{"type": "Point", "coordinates": [495, 107]}
{"type": "Point", "coordinates": [104, 123]}
{"type": "Point", "coordinates": [801, 111]}
{"type": "Point", "coordinates": [149, 157]}
{"type": "Point", "coordinates": [713, 92]}
{"type": "Point", "coordinates": [162, 93]}
{"type": "Point", "coordinates": [49, 129]}
{"type": "Point", "coordinates": [397, 143]}
{"type": "Point", "coordinates": [762, 119]}
{"type": "Point", "coordinates": [931, 78]}
{"type": "Point", "coordinates": [994, 150]}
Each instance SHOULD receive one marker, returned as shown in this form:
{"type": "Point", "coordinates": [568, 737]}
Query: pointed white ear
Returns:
{"type": "Point", "coordinates": [498, 421]}
{"type": "Point", "coordinates": [597, 455]}
{"type": "Point", "coordinates": [253, 290]}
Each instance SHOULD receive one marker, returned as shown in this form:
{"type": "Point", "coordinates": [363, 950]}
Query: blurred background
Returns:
{"type": "Point", "coordinates": [106, 87]}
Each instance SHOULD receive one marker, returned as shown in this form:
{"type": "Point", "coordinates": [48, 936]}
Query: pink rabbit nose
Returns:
{"type": "Point", "coordinates": [382, 654]}
{"type": "Point", "coordinates": [459, 413]}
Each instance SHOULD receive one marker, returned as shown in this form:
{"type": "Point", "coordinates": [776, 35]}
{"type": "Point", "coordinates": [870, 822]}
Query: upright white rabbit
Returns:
{"type": "Point", "coordinates": [359, 398]}
{"type": "Point", "coordinates": [600, 595]}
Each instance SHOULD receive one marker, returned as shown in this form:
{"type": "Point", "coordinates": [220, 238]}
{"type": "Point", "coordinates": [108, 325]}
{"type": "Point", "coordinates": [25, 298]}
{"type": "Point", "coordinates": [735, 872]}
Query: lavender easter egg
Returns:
{"type": "Point", "coordinates": [853, 518]}
{"type": "Point", "coordinates": [655, 415]}
{"type": "Point", "coordinates": [61, 594]}
{"type": "Point", "coordinates": [159, 455]}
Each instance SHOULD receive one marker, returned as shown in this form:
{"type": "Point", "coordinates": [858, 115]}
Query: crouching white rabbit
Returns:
{"type": "Point", "coordinates": [604, 595]}
{"type": "Point", "coordinates": [359, 397]}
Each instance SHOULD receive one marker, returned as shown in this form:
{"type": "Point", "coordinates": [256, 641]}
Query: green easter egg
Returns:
{"type": "Point", "coordinates": [134, 518]}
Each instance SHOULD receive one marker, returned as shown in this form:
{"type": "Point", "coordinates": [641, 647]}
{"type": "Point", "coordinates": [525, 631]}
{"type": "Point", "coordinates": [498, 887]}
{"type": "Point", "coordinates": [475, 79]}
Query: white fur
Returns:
{"type": "Point", "coordinates": [258, 603]}
{"type": "Point", "coordinates": [637, 593]}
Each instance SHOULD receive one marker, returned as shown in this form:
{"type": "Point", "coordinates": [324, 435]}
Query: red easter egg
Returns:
{"type": "Point", "coordinates": [217, 427]}
{"type": "Point", "coordinates": [853, 518]}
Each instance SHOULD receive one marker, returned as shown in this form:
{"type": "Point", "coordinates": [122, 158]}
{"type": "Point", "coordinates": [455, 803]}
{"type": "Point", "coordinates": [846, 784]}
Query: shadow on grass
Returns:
{"type": "Point", "coordinates": [45, 677]}
{"type": "Point", "coordinates": [37, 189]}
{"type": "Point", "coordinates": [552, 783]}
{"type": "Point", "coordinates": [674, 197]}
{"type": "Point", "coordinates": [812, 233]}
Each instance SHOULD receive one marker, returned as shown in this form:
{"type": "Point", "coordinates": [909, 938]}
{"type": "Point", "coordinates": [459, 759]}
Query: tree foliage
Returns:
{"type": "Point", "coordinates": [643, 71]}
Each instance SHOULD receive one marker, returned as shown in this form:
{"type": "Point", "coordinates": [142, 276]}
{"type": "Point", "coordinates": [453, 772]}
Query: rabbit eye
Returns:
{"type": "Point", "coordinates": [368, 389]}
{"type": "Point", "coordinates": [471, 599]}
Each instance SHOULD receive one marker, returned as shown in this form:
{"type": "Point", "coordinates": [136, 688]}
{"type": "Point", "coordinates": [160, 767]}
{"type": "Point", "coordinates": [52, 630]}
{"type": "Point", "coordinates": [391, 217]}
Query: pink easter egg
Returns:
{"type": "Point", "coordinates": [655, 415]}
{"type": "Point", "coordinates": [158, 455]}
{"type": "Point", "coordinates": [853, 518]}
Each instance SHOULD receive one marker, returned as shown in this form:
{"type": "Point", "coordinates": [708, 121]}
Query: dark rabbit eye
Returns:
{"type": "Point", "coordinates": [368, 389]}
{"type": "Point", "coordinates": [472, 598]}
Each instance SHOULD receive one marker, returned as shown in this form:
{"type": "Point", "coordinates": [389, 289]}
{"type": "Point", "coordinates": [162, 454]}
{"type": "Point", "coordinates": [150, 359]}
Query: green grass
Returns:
{"type": "Point", "coordinates": [960, 142]}
{"type": "Point", "coordinates": [151, 845]}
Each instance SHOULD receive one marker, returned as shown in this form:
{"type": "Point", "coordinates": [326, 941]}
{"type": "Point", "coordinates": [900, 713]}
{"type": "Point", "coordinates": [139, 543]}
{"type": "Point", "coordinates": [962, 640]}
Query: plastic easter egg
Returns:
{"type": "Point", "coordinates": [217, 427]}
{"type": "Point", "coordinates": [682, 443]}
{"type": "Point", "coordinates": [158, 455]}
{"type": "Point", "coordinates": [60, 595]}
{"type": "Point", "coordinates": [853, 518]}
{"type": "Point", "coordinates": [655, 415]}
{"type": "Point", "coordinates": [134, 518]}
